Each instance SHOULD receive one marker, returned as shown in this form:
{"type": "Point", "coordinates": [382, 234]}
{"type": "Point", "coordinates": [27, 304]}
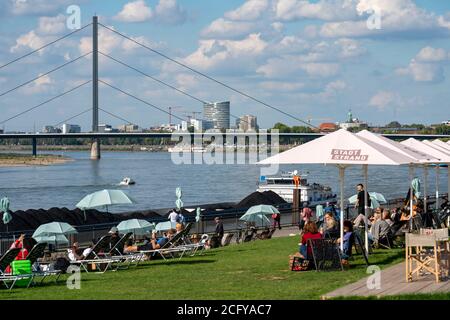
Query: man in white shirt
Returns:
{"type": "Point", "coordinates": [173, 216]}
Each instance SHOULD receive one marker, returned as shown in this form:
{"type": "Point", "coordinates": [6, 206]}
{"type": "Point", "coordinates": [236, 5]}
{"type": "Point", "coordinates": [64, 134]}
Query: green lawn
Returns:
{"type": "Point", "coordinates": [256, 270]}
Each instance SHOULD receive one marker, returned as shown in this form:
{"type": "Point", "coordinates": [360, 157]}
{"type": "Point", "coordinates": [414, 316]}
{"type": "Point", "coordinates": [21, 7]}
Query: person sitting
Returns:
{"type": "Point", "coordinates": [179, 227]}
{"type": "Point", "coordinates": [75, 253]}
{"type": "Point", "coordinates": [381, 228]}
{"type": "Point", "coordinates": [310, 231]}
{"type": "Point", "coordinates": [330, 228]}
{"type": "Point", "coordinates": [347, 242]}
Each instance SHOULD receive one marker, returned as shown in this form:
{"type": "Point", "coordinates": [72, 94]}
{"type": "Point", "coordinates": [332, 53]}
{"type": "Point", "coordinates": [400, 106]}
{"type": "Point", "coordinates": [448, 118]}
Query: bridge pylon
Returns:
{"type": "Point", "coordinates": [95, 147]}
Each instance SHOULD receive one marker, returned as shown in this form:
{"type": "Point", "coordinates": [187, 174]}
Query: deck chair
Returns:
{"type": "Point", "coordinates": [326, 254]}
{"type": "Point", "coordinates": [170, 249]}
{"type": "Point", "coordinates": [226, 239]}
{"type": "Point", "coordinates": [123, 260]}
{"type": "Point", "coordinates": [263, 235]}
{"type": "Point", "coordinates": [423, 255]}
{"type": "Point", "coordinates": [8, 279]}
{"type": "Point", "coordinates": [417, 222]}
{"type": "Point", "coordinates": [358, 244]}
{"type": "Point", "coordinates": [38, 252]}
{"type": "Point", "coordinates": [199, 247]}
{"type": "Point", "coordinates": [95, 256]}
{"type": "Point", "coordinates": [272, 231]}
{"type": "Point", "coordinates": [186, 230]}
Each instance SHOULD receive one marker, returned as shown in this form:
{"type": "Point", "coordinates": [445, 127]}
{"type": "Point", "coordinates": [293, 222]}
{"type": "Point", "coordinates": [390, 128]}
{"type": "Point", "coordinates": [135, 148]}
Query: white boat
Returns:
{"type": "Point", "coordinates": [127, 181]}
{"type": "Point", "coordinates": [284, 185]}
{"type": "Point", "coordinates": [186, 149]}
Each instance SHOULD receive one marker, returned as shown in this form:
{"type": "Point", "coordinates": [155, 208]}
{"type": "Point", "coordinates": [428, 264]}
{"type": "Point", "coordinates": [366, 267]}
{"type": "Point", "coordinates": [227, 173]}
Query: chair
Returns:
{"type": "Point", "coordinates": [272, 231]}
{"type": "Point", "coordinates": [326, 254]}
{"type": "Point", "coordinates": [360, 248]}
{"type": "Point", "coordinates": [116, 253]}
{"type": "Point", "coordinates": [38, 252]}
{"type": "Point", "coordinates": [94, 257]}
{"type": "Point", "coordinates": [423, 254]}
{"type": "Point", "coordinates": [226, 239]}
{"type": "Point", "coordinates": [8, 279]}
{"type": "Point", "coordinates": [170, 248]}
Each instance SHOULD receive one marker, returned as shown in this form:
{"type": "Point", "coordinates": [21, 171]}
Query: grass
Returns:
{"type": "Point", "coordinates": [256, 270]}
{"type": "Point", "coordinates": [419, 296]}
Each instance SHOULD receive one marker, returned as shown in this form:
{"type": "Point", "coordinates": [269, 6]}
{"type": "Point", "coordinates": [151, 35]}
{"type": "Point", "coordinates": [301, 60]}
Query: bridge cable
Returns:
{"type": "Point", "coordinates": [208, 77]}
{"type": "Point", "coordinates": [116, 116]}
{"type": "Point", "coordinates": [45, 102]}
{"type": "Point", "coordinates": [163, 83]}
{"type": "Point", "coordinates": [44, 46]}
{"type": "Point", "coordinates": [139, 99]}
{"type": "Point", "coordinates": [44, 74]}
{"type": "Point", "coordinates": [73, 117]}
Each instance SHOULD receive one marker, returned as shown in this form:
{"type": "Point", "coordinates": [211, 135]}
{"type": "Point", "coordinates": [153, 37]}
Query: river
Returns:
{"type": "Point", "coordinates": [157, 177]}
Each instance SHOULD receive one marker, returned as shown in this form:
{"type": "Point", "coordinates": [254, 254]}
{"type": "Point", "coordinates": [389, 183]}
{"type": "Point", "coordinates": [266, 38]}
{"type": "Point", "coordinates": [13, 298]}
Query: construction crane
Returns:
{"type": "Point", "coordinates": [170, 113]}
{"type": "Point", "coordinates": [193, 113]}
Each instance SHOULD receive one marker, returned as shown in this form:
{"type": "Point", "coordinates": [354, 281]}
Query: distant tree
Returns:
{"type": "Point", "coordinates": [442, 129]}
{"type": "Point", "coordinates": [301, 129]}
{"type": "Point", "coordinates": [282, 127]}
{"type": "Point", "coordinates": [394, 124]}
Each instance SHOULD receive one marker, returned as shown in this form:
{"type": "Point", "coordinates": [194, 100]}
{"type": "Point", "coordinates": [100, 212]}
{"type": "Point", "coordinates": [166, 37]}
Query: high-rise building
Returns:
{"type": "Point", "coordinates": [218, 113]}
{"type": "Point", "coordinates": [49, 129]}
{"type": "Point", "coordinates": [247, 122]}
{"type": "Point", "coordinates": [71, 128]}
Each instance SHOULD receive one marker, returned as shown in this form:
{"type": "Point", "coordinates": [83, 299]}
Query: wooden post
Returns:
{"type": "Point", "coordinates": [295, 206]}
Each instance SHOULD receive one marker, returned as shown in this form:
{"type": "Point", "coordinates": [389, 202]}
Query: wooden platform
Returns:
{"type": "Point", "coordinates": [392, 283]}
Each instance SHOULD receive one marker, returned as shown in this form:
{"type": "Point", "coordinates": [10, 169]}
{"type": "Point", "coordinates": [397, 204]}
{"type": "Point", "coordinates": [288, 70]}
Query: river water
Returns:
{"type": "Point", "coordinates": [157, 177]}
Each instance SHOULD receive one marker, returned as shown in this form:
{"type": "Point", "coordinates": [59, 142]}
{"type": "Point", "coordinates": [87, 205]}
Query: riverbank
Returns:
{"type": "Point", "coordinates": [20, 160]}
{"type": "Point", "coordinates": [105, 147]}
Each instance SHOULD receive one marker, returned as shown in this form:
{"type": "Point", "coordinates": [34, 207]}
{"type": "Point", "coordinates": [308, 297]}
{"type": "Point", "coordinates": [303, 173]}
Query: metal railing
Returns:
{"type": "Point", "coordinates": [230, 217]}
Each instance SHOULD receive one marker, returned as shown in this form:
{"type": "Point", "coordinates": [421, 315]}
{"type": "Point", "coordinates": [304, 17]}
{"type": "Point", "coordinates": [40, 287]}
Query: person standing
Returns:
{"type": "Point", "coordinates": [173, 216]}
{"type": "Point", "coordinates": [359, 205]}
{"type": "Point", "coordinates": [276, 220]}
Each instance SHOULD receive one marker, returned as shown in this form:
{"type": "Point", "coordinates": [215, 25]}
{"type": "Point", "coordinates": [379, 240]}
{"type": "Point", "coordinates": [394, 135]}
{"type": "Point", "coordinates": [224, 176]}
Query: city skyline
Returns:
{"type": "Point", "coordinates": [313, 58]}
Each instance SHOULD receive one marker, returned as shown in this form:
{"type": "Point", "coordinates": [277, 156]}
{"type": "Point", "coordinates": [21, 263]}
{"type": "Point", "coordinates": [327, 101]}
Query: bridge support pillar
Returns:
{"type": "Point", "coordinates": [95, 149]}
{"type": "Point", "coordinates": [34, 146]}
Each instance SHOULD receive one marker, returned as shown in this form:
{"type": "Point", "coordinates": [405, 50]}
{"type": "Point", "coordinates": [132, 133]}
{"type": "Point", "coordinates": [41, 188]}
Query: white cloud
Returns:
{"type": "Point", "coordinates": [169, 12]}
{"type": "Point", "coordinates": [52, 25]}
{"type": "Point", "coordinates": [165, 12]}
{"type": "Point", "coordinates": [36, 7]}
{"type": "Point", "coordinates": [214, 53]}
{"type": "Point", "coordinates": [222, 28]}
{"type": "Point", "coordinates": [328, 10]}
{"type": "Point", "coordinates": [288, 66]}
{"type": "Point", "coordinates": [108, 42]}
{"type": "Point", "coordinates": [136, 11]}
{"type": "Point", "coordinates": [283, 86]}
{"type": "Point", "coordinates": [427, 66]}
{"type": "Point", "coordinates": [398, 18]}
{"type": "Point", "coordinates": [251, 10]}
{"type": "Point", "coordinates": [429, 54]}
{"type": "Point", "coordinates": [383, 99]}
{"type": "Point", "coordinates": [29, 40]}
{"type": "Point", "coordinates": [40, 85]}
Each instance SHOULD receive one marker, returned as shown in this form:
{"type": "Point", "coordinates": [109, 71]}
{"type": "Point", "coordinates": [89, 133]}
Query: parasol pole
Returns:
{"type": "Point", "coordinates": [425, 187]}
{"type": "Point", "coordinates": [437, 186]}
{"type": "Point", "coordinates": [366, 208]}
{"type": "Point", "coordinates": [341, 180]}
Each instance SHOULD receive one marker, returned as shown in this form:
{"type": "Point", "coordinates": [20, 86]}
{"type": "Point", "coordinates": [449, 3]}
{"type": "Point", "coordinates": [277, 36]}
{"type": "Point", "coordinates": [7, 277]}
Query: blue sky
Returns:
{"type": "Point", "coordinates": [313, 59]}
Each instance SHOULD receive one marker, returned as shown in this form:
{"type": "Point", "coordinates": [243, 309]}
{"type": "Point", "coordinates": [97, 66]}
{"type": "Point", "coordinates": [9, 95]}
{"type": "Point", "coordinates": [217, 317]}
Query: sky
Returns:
{"type": "Point", "coordinates": [383, 59]}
